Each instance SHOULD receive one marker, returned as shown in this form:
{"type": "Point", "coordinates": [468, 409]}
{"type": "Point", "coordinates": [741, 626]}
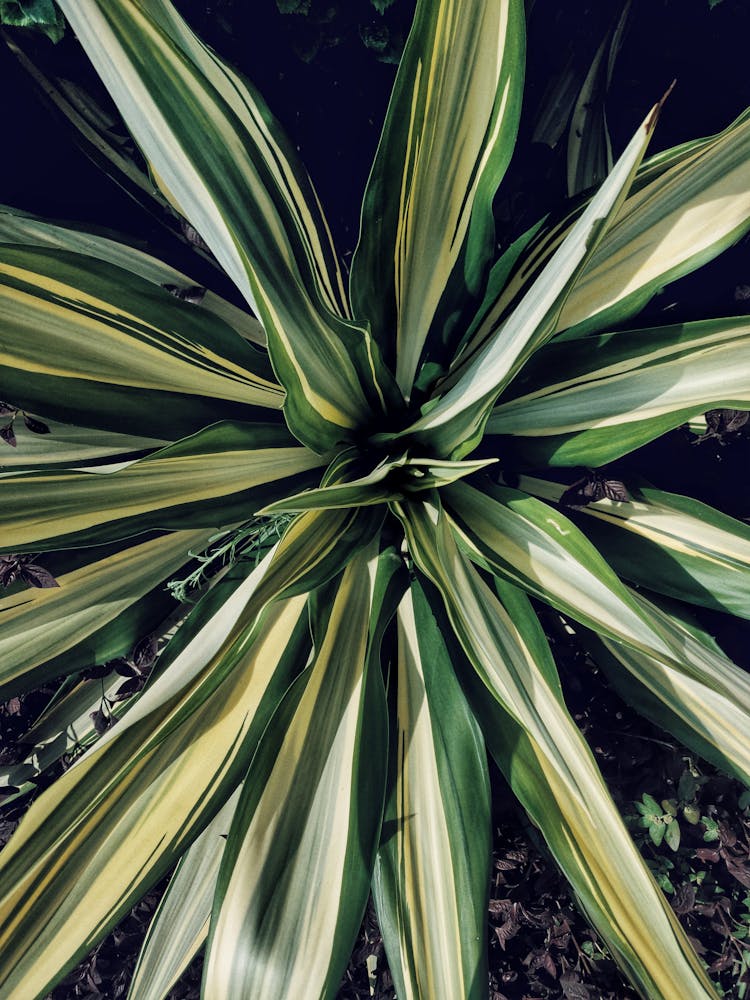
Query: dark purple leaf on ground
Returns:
{"type": "Point", "coordinates": [6, 409]}
{"type": "Point", "coordinates": [34, 425]}
{"type": "Point", "coordinates": [144, 652]}
{"type": "Point", "coordinates": [38, 576]}
{"type": "Point", "coordinates": [8, 435]}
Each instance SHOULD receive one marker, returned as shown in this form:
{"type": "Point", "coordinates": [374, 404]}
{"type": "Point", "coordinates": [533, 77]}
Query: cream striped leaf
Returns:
{"type": "Point", "coordinates": [28, 230]}
{"type": "Point", "coordinates": [681, 220]}
{"type": "Point", "coordinates": [708, 713]}
{"type": "Point", "coordinates": [615, 392]}
{"type": "Point", "coordinates": [516, 696]}
{"type": "Point", "coordinates": [296, 870]}
{"type": "Point", "coordinates": [432, 874]}
{"type": "Point", "coordinates": [453, 422]}
{"type": "Point", "coordinates": [68, 447]}
{"type": "Point", "coordinates": [39, 626]}
{"type": "Point", "coordinates": [216, 477]}
{"type": "Point", "coordinates": [687, 204]}
{"type": "Point", "coordinates": [391, 479]}
{"type": "Point", "coordinates": [668, 543]}
{"type": "Point", "coordinates": [83, 340]}
{"type": "Point", "coordinates": [114, 822]}
{"type": "Point", "coordinates": [530, 544]}
{"type": "Point", "coordinates": [447, 140]}
{"type": "Point", "coordinates": [218, 153]}
{"type": "Point", "coordinates": [179, 927]}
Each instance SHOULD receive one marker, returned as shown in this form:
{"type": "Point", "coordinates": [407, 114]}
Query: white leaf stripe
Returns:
{"type": "Point", "coordinates": [323, 361]}
{"type": "Point", "coordinates": [711, 721]}
{"type": "Point", "coordinates": [41, 624]}
{"type": "Point", "coordinates": [428, 884]}
{"type": "Point", "coordinates": [459, 56]}
{"type": "Point", "coordinates": [90, 332]}
{"type": "Point", "coordinates": [644, 538]}
{"type": "Point", "coordinates": [456, 418]}
{"type": "Point", "coordinates": [137, 798]}
{"type": "Point", "coordinates": [667, 229]}
{"type": "Point", "coordinates": [694, 380]}
{"type": "Point", "coordinates": [22, 228]}
{"type": "Point", "coordinates": [297, 825]}
{"type": "Point", "coordinates": [220, 462]}
{"type": "Point", "coordinates": [554, 774]}
{"type": "Point", "coordinates": [179, 927]}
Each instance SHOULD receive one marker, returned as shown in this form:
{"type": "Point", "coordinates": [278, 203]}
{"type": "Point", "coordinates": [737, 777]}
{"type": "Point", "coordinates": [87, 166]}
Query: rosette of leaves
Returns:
{"type": "Point", "coordinates": [319, 724]}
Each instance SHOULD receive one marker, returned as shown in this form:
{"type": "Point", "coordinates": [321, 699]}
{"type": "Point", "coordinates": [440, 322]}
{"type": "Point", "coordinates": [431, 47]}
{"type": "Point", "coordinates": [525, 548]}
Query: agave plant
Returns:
{"type": "Point", "coordinates": [394, 450]}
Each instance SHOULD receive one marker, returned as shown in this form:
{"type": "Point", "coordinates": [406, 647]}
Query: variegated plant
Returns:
{"type": "Point", "coordinates": [327, 709]}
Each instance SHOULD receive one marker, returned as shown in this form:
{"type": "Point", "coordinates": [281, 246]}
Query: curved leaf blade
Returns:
{"type": "Point", "coordinates": [255, 208]}
{"type": "Point", "coordinates": [432, 873]}
{"type": "Point", "coordinates": [216, 477]}
{"type": "Point", "coordinates": [447, 140]}
{"type": "Point", "coordinates": [39, 626]}
{"type": "Point", "coordinates": [295, 874]}
{"type": "Point", "coordinates": [516, 695]}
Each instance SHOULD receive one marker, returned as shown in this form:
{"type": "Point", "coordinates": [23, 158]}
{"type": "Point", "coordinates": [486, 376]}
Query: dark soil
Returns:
{"type": "Point", "coordinates": [323, 76]}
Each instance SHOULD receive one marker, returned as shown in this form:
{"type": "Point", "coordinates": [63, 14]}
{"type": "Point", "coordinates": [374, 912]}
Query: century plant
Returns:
{"type": "Point", "coordinates": [396, 451]}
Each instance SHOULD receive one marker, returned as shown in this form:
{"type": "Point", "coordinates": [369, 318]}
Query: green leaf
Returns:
{"type": "Point", "coordinates": [591, 400]}
{"type": "Point", "coordinates": [669, 227]}
{"type": "Point", "coordinates": [40, 14]}
{"type": "Point", "coordinates": [431, 878]}
{"type": "Point", "coordinates": [28, 230]}
{"type": "Point", "coordinates": [702, 698]}
{"type": "Point", "coordinates": [85, 341]}
{"type": "Point", "coordinates": [427, 234]}
{"type": "Point", "coordinates": [255, 208]}
{"type": "Point", "coordinates": [40, 626]}
{"type": "Point", "coordinates": [116, 820]}
{"type": "Point", "coordinates": [514, 692]}
{"type": "Point", "coordinates": [179, 927]}
{"type": "Point", "coordinates": [453, 423]}
{"type": "Point", "coordinates": [295, 875]}
{"type": "Point", "coordinates": [219, 476]}
{"type": "Point", "coordinates": [668, 543]}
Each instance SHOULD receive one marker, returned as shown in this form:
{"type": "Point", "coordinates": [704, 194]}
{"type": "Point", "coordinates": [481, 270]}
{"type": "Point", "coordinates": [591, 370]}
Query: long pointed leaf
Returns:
{"type": "Point", "coordinates": [432, 873]}
{"type": "Point", "coordinates": [615, 392]}
{"type": "Point", "coordinates": [295, 874]}
{"type": "Point", "coordinates": [668, 543]}
{"type": "Point", "coordinates": [552, 770]}
{"type": "Point", "coordinates": [453, 423]}
{"type": "Point", "coordinates": [219, 476]}
{"type": "Point", "coordinates": [448, 137]}
{"type": "Point", "coordinates": [255, 208]}
{"type": "Point", "coordinates": [39, 626]}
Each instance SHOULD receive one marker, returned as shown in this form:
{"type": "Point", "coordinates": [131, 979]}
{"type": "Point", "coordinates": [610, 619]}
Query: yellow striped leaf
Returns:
{"type": "Point", "coordinates": [432, 872]}
{"type": "Point", "coordinates": [38, 626]}
{"type": "Point", "coordinates": [296, 870]}
{"type": "Point", "coordinates": [668, 543]}
{"type": "Point", "coordinates": [453, 422]}
{"type": "Point", "coordinates": [216, 477]}
{"type": "Point", "coordinates": [516, 695]}
{"type": "Point", "coordinates": [615, 392]}
{"type": "Point", "coordinates": [179, 927]}
{"type": "Point", "coordinates": [448, 137]}
{"type": "Point", "coordinates": [255, 208]}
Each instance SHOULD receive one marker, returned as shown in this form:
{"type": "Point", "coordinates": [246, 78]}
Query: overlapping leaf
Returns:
{"type": "Point", "coordinates": [85, 341]}
{"type": "Point", "coordinates": [219, 476]}
{"type": "Point", "coordinates": [615, 392]}
{"type": "Point", "coordinates": [516, 695]}
{"type": "Point", "coordinates": [219, 156]}
{"type": "Point", "coordinates": [431, 878]}
{"type": "Point", "coordinates": [427, 227]}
